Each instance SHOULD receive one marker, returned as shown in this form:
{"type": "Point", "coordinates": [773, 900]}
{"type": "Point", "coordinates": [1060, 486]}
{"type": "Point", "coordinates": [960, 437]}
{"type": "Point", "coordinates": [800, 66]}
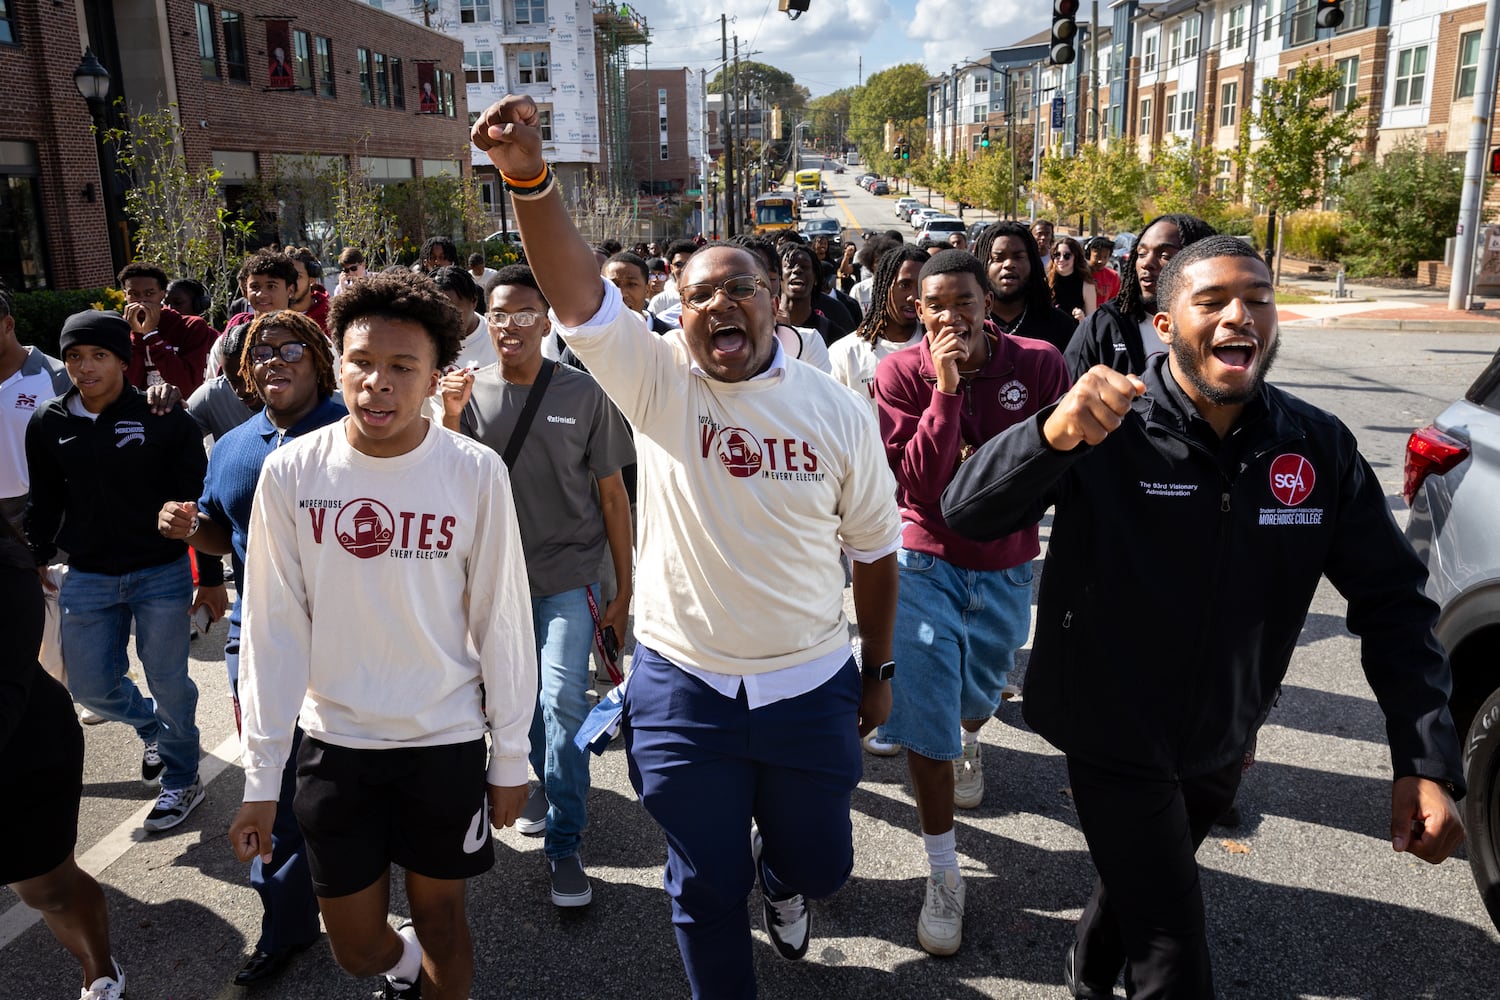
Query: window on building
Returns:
{"type": "Point", "coordinates": [1348, 88]}
{"type": "Point", "coordinates": [366, 75]}
{"type": "Point", "coordinates": [302, 71]}
{"type": "Point", "coordinates": [208, 55]}
{"type": "Point", "coordinates": [398, 84]}
{"type": "Point", "coordinates": [1145, 118]}
{"type": "Point", "coordinates": [1169, 121]}
{"type": "Point", "coordinates": [1468, 64]}
{"type": "Point", "coordinates": [665, 154]}
{"type": "Point", "coordinates": [1148, 53]}
{"type": "Point", "coordinates": [235, 63]}
{"type": "Point", "coordinates": [544, 123]}
{"type": "Point", "coordinates": [451, 95]}
{"type": "Point", "coordinates": [7, 26]}
{"type": "Point", "coordinates": [1234, 33]}
{"type": "Point", "coordinates": [325, 67]}
{"type": "Point", "coordinates": [1221, 185]}
{"type": "Point", "coordinates": [1186, 105]}
{"type": "Point", "coordinates": [1190, 31]}
{"type": "Point", "coordinates": [1174, 46]}
{"type": "Point", "coordinates": [1333, 176]}
{"type": "Point", "coordinates": [531, 66]}
{"type": "Point", "coordinates": [23, 248]}
{"type": "Point", "coordinates": [1226, 165]}
{"type": "Point", "coordinates": [1356, 15]}
{"type": "Point", "coordinates": [382, 82]}
{"type": "Point", "coordinates": [479, 67]}
{"type": "Point", "coordinates": [1229, 104]}
{"type": "Point", "coordinates": [1267, 22]}
{"type": "Point", "coordinates": [473, 11]}
{"type": "Point", "coordinates": [982, 83]}
{"type": "Point", "coordinates": [1411, 76]}
{"type": "Point", "coordinates": [1302, 24]}
{"type": "Point", "coordinates": [981, 114]}
{"type": "Point", "coordinates": [530, 11]}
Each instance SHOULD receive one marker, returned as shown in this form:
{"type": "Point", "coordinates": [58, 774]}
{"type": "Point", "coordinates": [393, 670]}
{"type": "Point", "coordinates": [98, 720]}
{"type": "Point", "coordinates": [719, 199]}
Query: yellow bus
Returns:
{"type": "Point", "coordinates": [774, 212]}
{"type": "Point", "coordinates": [809, 180]}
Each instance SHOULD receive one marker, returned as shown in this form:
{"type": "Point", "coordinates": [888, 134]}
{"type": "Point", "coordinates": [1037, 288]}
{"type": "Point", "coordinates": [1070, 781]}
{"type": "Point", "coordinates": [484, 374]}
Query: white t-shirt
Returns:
{"type": "Point", "coordinates": [853, 360]}
{"type": "Point", "coordinates": [381, 594]}
{"type": "Point", "coordinates": [748, 492]}
{"type": "Point", "coordinates": [807, 346]}
{"type": "Point", "coordinates": [39, 379]}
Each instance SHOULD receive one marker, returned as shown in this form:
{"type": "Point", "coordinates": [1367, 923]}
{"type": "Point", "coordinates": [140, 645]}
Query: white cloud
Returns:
{"type": "Point", "coordinates": [953, 31]}
{"type": "Point", "coordinates": [820, 48]}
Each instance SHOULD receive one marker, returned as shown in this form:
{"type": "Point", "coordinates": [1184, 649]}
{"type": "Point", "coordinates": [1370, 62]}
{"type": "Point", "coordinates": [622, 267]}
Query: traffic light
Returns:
{"type": "Point", "coordinates": [1495, 160]}
{"type": "Point", "coordinates": [984, 137]}
{"type": "Point", "coordinates": [1065, 30]}
{"type": "Point", "coordinates": [1330, 13]}
{"type": "Point", "coordinates": [905, 150]}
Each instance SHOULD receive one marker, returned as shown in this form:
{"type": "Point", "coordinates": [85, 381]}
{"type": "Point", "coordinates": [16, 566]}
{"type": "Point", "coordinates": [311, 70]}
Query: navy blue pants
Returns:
{"type": "Point", "coordinates": [705, 766]}
{"type": "Point", "coordinates": [290, 909]}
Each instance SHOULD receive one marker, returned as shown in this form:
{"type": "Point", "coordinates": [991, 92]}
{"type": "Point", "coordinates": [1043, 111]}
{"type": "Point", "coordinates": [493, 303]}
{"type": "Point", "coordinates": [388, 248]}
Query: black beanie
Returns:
{"type": "Point", "coordinates": [97, 328]}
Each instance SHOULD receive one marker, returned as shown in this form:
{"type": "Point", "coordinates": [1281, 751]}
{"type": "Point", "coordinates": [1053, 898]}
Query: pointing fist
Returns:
{"type": "Point", "coordinates": [1092, 409]}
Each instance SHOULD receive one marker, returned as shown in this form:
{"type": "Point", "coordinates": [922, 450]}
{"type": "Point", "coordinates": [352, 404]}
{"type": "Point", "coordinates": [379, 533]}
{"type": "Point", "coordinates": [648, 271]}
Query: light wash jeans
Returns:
{"type": "Point", "coordinates": [564, 638]}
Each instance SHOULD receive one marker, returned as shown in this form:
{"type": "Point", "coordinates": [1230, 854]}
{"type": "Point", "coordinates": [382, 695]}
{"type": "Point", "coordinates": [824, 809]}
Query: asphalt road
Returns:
{"type": "Point", "coordinates": [1306, 899]}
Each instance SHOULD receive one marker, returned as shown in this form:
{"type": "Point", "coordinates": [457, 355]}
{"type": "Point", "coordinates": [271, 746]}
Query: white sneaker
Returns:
{"type": "Point", "coordinates": [89, 717]}
{"type": "Point", "coordinates": [879, 747]}
{"type": "Point", "coordinates": [968, 778]}
{"type": "Point", "coordinates": [940, 928]}
{"type": "Point", "coordinates": [106, 987]}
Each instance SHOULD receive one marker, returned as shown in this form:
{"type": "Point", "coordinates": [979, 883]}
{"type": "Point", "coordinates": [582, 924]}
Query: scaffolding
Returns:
{"type": "Point", "coordinates": [617, 26]}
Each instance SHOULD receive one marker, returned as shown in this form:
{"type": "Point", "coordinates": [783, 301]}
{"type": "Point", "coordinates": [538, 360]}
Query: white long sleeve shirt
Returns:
{"type": "Point", "coordinates": [366, 580]}
{"type": "Point", "coordinates": [749, 490]}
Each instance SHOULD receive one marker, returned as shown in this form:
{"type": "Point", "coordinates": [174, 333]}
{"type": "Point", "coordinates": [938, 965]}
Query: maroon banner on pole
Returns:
{"type": "Point", "coordinates": [428, 103]}
{"type": "Point", "coordinates": [279, 54]}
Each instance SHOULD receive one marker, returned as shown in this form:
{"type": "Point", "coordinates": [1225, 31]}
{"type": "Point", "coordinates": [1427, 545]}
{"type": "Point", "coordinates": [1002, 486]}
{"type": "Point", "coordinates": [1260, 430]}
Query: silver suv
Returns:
{"type": "Point", "coordinates": [1453, 488]}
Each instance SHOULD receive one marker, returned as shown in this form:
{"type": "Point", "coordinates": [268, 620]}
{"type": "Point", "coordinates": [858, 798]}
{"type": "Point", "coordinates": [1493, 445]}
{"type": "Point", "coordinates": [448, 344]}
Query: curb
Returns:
{"type": "Point", "coordinates": [1398, 325]}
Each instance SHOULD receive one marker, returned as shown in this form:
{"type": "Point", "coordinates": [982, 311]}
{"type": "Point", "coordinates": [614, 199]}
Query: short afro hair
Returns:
{"type": "Point", "coordinates": [954, 262]}
{"type": "Point", "coordinates": [514, 274]}
{"type": "Point", "coordinates": [270, 264]}
{"type": "Point", "coordinates": [404, 296]}
{"type": "Point", "coordinates": [634, 260]}
{"type": "Point", "coordinates": [140, 269]}
{"type": "Point", "coordinates": [1170, 283]}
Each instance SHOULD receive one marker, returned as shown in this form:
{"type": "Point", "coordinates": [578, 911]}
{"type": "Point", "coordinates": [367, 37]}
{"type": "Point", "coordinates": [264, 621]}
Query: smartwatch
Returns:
{"type": "Point", "coordinates": [884, 672]}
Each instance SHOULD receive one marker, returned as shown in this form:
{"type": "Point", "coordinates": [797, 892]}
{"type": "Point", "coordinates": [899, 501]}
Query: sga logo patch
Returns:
{"type": "Point", "coordinates": [1292, 479]}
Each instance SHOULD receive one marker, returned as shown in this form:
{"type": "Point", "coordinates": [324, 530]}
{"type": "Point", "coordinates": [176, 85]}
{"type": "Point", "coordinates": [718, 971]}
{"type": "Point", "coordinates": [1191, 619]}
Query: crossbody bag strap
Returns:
{"type": "Point", "coordinates": [528, 412]}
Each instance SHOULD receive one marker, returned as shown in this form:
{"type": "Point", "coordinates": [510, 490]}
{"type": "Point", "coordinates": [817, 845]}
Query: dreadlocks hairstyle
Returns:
{"type": "Point", "coordinates": [873, 327]}
{"type": "Point", "coordinates": [1189, 227]}
{"type": "Point", "coordinates": [304, 330]}
{"type": "Point", "coordinates": [1038, 292]}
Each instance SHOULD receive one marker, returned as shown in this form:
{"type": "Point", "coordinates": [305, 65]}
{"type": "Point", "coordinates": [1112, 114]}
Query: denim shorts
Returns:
{"type": "Point", "coordinates": [956, 636]}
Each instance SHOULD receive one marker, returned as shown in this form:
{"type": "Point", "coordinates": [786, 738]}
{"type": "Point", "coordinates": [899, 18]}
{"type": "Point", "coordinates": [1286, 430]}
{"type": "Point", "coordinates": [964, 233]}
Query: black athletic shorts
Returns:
{"type": "Point", "coordinates": [423, 808]}
{"type": "Point", "coordinates": [44, 831]}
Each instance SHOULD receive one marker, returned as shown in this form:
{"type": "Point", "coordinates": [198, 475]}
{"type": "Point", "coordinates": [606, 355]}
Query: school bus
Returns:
{"type": "Point", "coordinates": [774, 212]}
{"type": "Point", "coordinates": [809, 180]}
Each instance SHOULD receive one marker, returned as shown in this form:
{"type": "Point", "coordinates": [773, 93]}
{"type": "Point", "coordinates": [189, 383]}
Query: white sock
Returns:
{"type": "Point", "coordinates": [942, 852]}
{"type": "Point", "coordinates": [409, 968]}
{"type": "Point", "coordinates": [969, 739]}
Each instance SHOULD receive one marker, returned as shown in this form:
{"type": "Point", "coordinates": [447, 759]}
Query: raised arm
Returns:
{"type": "Point", "coordinates": [564, 264]}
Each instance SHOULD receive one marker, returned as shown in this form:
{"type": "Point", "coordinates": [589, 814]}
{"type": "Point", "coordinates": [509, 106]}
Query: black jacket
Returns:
{"type": "Point", "coordinates": [97, 485]}
{"type": "Point", "coordinates": [1051, 324]}
{"type": "Point", "coordinates": [1108, 337]}
{"type": "Point", "coordinates": [1179, 572]}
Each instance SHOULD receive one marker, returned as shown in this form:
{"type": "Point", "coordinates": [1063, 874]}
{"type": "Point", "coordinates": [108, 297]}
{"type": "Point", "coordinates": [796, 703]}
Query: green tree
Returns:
{"type": "Point", "coordinates": [829, 115]}
{"type": "Point", "coordinates": [1104, 184]}
{"type": "Point", "coordinates": [898, 95]}
{"type": "Point", "coordinates": [177, 214]}
{"type": "Point", "coordinates": [1178, 179]}
{"type": "Point", "coordinates": [1301, 135]}
{"type": "Point", "coordinates": [1426, 185]}
{"type": "Point", "coordinates": [778, 86]}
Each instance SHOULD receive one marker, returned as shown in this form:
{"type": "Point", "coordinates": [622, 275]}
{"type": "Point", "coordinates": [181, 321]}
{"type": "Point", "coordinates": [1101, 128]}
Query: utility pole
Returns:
{"type": "Point", "coordinates": [727, 127]}
{"type": "Point", "coordinates": [1036, 139]}
{"type": "Point", "coordinates": [703, 153]}
{"type": "Point", "coordinates": [1096, 124]}
{"type": "Point", "coordinates": [1479, 134]}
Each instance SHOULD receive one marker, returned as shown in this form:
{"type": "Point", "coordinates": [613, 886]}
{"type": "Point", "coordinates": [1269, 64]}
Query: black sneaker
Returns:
{"type": "Point", "coordinates": [570, 884]}
{"type": "Point", "coordinates": [173, 806]}
{"type": "Point", "coordinates": [788, 921]}
{"type": "Point", "coordinates": [151, 766]}
{"type": "Point", "coordinates": [533, 819]}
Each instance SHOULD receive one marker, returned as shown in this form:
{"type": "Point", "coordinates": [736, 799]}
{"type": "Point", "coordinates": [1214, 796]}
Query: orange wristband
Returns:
{"type": "Point", "coordinates": [512, 182]}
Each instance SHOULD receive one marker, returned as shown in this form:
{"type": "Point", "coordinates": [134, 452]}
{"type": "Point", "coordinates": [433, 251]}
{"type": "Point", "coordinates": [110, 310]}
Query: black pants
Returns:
{"type": "Point", "coordinates": [1146, 913]}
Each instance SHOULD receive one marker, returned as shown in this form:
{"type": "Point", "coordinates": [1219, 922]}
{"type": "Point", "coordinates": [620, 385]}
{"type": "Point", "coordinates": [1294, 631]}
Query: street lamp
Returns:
{"type": "Point", "coordinates": [92, 81]}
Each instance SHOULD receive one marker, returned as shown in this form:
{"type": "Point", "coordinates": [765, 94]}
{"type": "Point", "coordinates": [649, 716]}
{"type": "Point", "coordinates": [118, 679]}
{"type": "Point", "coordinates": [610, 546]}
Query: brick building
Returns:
{"type": "Point", "coordinates": [666, 130]}
{"type": "Point", "coordinates": [349, 82]}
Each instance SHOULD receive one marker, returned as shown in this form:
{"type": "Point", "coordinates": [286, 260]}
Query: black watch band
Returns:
{"type": "Point", "coordinates": [884, 672]}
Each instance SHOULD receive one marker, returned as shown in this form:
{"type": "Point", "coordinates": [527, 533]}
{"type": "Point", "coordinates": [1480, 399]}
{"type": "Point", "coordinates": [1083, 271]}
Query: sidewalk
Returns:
{"type": "Point", "coordinates": [1373, 307]}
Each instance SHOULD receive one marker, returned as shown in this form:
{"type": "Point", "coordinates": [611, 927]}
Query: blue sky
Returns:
{"type": "Point", "coordinates": [822, 49]}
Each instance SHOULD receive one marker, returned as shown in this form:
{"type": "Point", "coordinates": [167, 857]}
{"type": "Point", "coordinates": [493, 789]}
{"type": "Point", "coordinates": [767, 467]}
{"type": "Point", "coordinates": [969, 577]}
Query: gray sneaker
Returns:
{"type": "Point", "coordinates": [570, 885]}
{"type": "Point", "coordinates": [173, 806]}
{"type": "Point", "coordinates": [533, 819]}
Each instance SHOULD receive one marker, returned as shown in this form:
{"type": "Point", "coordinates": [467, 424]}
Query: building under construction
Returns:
{"type": "Point", "coordinates": [617, 27]}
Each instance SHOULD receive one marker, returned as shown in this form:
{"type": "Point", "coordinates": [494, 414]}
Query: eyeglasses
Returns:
{"type": "Point", "coordinates": [523, 320]}
{"type": "Point", "coordinates": [291, 352]}
{"type": "Point", "coordinates": [1062, 256]}
{"type": "Point", "coordinates": [738, 288]}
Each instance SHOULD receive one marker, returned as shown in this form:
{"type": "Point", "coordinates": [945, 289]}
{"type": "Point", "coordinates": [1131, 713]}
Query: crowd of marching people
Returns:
{"type": "Point", "coordinates": [444, 492]}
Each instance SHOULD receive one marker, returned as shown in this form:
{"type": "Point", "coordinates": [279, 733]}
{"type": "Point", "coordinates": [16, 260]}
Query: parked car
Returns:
{"type": "Point", "coordinates": [904, 207]}
{"type": "Point", "coordinates": [820, 225]}
{"type": "Point", "coordinates": [919, 214]}
{"type": "Point", "coordinates": [505, 236]}
{"type": "Point", "coordinates": [864, 180]}
{"type": "Point", "coordinates": [879, 186]}
{"type": "Point", "coordinates": [975, 228]}
{"type": "Point", "coordinates": [1452, 482]}
{"type": "Point", "coordinates": [940, 227]}
{"type": "Point", "coordinates": [1124, 243]}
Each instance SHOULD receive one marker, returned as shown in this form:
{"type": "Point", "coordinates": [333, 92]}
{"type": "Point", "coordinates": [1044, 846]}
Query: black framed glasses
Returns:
{"type": "Point", "coordinates": [291, 352]}
{"type": "Point", "coordinates": [739, 288]}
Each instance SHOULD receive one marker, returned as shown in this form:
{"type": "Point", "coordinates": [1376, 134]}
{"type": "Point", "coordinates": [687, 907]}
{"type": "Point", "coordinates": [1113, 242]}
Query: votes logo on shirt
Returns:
{"type": "Point", "coordinates": [365, 528]}
{"type": "Point", "coordinates": [739, 452]}
{"type": "Point", "coordinates": [745, 455]}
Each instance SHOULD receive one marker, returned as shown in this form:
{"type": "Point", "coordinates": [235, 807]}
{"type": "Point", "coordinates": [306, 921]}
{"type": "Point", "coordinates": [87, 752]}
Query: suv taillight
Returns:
{"type": "Point", "coordinates": [1430, 451]}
